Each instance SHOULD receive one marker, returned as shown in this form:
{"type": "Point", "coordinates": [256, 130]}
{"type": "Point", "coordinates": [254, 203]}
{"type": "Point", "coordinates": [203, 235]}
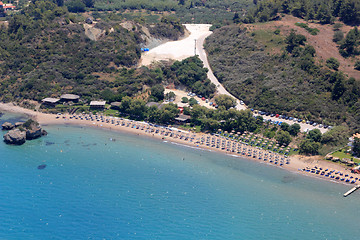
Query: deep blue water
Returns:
{"type": "Point", "coordinates": [105, 185]}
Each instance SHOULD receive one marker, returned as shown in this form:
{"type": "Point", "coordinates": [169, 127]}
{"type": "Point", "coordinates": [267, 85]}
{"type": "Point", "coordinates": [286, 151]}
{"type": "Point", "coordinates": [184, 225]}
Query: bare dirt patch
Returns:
{"type": "Point", "coordinates": [322, 42]}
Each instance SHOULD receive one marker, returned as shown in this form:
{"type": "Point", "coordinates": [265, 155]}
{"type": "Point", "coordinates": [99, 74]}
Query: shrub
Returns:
{"type": "Point", "coordinates": [337, 26]}
{"type": "Point", "coordinates": [357, 65]}
{"type": "Point", "coordinates": [338, 36]}
{"type": "Point", "coordinates": [192, 101]}
{"type": "Point", "coordinates": [309, 147]}
{"type": "Point", "coordinates": [75, 6]}
{"type": "Point", "coordinates": [277, 32]}
{"type": "Point", "coordinates": [333, 63]}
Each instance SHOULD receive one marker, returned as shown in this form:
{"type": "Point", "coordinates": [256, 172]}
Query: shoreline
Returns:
{"type": "Point", "coordinates": [309, 166]}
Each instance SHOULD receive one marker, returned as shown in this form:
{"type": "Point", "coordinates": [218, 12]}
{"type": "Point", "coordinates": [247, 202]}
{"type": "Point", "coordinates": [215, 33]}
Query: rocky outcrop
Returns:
{"type": "Point", "coordinates": [24, 131]}
{"type": "Point", "coordinates": [16, 137]}
{"type": "Point", "coordinates": [7, 126]}
{"type": "Point", "coordinates": [18, 124]}
{"type": "Point", "coordinates": [33, 133]}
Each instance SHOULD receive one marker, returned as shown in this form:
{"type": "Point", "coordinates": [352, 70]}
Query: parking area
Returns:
{"type": "Point", "coordinates": [279, 119]}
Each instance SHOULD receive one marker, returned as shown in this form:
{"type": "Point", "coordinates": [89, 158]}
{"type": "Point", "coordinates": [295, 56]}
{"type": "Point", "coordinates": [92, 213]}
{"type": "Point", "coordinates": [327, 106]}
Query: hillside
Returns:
{"type": "Point", "coordinates": [322, 42]}
{"type": "Point", "coordinates": [255, 66]}
{"type": "Point", "coordinates": [217, 12]}
{"type": "Point", "coordinates": [47, 51]}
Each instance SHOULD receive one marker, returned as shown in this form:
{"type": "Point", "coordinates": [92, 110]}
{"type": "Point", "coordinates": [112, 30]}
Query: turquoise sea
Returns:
{"type": "Point", "coordinates": [107, 185]}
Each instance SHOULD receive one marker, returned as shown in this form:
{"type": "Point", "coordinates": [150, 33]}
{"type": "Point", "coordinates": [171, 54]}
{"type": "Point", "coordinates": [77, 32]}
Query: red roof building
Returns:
{"type": "Point", "coordinates": [7, 6]}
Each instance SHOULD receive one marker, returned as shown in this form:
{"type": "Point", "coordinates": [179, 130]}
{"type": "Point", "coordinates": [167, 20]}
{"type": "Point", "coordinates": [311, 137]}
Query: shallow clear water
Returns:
{"type": "Point", "coordinates": [106, 185]}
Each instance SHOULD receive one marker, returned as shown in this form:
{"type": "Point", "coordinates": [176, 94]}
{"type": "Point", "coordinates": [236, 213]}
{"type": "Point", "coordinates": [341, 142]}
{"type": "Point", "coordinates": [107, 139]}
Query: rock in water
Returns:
{"type": "Point", "coordinates": [43, 132]}
{"type": "Point", "coordinates": [15, 136]}
{"type": "Point", "coordinates": [7, 126]}
{"type": "Point", "coordinates": [18, 124]}
{"type": "Point", "coordinates": [42, 166]}
{"type": "Point", "coordinates": [33, 133]}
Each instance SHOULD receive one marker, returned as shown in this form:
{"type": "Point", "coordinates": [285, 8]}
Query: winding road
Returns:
{"type": "Point", "coordinates": [185, 48]}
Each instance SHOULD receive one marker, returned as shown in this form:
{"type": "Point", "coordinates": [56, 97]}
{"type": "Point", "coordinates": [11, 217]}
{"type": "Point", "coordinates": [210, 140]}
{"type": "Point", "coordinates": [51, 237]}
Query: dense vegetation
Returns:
{"type": "Point", "coordinates": [45, 52]}
{"type": "Point", "coordinates": [288, 83]}
{"type": "Point", "coordinates": [207, 119]}
{"type": "Point", "coordinates": [191, 73]}
{"type": "Point", "coordinates": [325, 12]}
{"type": "Point", "coordinates": [189, 11]}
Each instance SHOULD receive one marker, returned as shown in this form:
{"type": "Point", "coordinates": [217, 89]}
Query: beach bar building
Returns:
{"type": "Point", "coordinates": [97, 104]}
{"type": "Point", "coordinates": [50, 101]}
{"type": "Point", "coordinates": [182, 119]}
{"type": "Point", "coordinates": [69, 97]}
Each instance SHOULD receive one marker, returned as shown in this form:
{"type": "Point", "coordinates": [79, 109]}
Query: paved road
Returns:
{"type": "Point", "coordinates": [221, 90]}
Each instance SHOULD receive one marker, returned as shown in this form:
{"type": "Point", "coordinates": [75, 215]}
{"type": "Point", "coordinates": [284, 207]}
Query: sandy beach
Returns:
{"type": "Point", "coordinates": [311, 166]}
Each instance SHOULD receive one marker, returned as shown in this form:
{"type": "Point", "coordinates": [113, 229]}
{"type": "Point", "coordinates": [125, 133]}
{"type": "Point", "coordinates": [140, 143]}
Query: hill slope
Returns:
{"type": "Point", "coordinates": [281, 83]}
{"type": "Point", "coordinates": [46, 51]}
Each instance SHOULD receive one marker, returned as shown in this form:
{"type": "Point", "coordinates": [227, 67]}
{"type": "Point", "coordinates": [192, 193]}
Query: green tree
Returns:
{"type": "Point", "coordinates": [309, 147]}
{"type": "Point", "coordinates": [60, 3]}
{"type": "Point", "coordinates": [356, 147]}
{"type": "Point", "coordinates": [168, 113]}
{"type": "Point", "coordinates": [236, 18]}
{"type": "Point", "coordinates": [314, 135]}
{"type": "Point", "coordinates": [125, 104]}
{"type": "Point", "coordinates": [357, 65]}
{"type": "Point", "coordinates": [333, 63]}
{"type": "Point", "coordinates": [284, 126]}
{"type": "Point", "coordinates": [348, 47]}
{"type": "Point", "coordinates": [192, 102]}
{"type": "Point", "coordinates": [349, 12]}
{"type": "Point", "coordinates": [294, 40]}
{"type": "Point", "coordinates": [338, 36]}
{"type": "Point", "coordinates": [283, 138]}
{"type": "Point", "coordinates": [324, 14]}
{"type": "Point", "coordinates": [89, 3]}
{"type": "Point", "coordinates": [75, 6]}
{"type": "Point", "coordinates": [138, 108]}
{"type": "Point", "coordinates": [294, 129]}
{"type": "Point", "coordinates": [225, 100]}
{"type": "Point", "coordinates": [170, 95]}
{"type": "Point", "coordinates": [184, 100]}
{"type": "Point", "coordinates": [209, 124]}
{"type": "Point", "coordinates": [338, 89]}
{"type": "Point", "coordinates": [336, 136]}
{"type": "Point", "coordinates": [157, 92]}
